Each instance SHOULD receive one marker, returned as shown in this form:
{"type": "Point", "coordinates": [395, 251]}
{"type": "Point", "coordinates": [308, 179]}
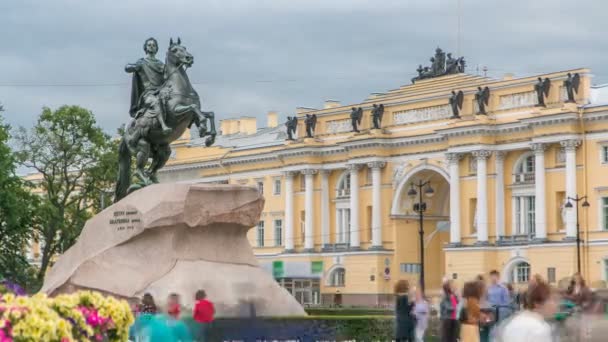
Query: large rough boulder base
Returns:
{"type": "Point", "coordinates": [177, 238]}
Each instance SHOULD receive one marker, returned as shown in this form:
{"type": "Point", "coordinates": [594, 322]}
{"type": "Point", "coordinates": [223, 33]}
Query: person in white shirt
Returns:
{"type": "Point", "coordinates": [530, 324]}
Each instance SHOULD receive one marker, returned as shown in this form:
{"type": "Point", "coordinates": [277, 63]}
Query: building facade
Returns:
{"type": "Point", "coordinates": [338, 224]}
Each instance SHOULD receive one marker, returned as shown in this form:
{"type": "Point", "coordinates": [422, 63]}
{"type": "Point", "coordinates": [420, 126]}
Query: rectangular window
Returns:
{"type": "Point", "coordinates": [605, 213]}
{"type": "Point", "coordinates": [368, 176]}
{"type": "Point", "coordinates": [472, 164]}
{"type": "Point", "coordinates": [368, 211]}
{"type": "Point", "coordinates": [551, 275]}
{"type": "Point", "coordinates": [606, 269]}
{"type": "Point", "coordinates": [473, 214]}
{"type": "Point", "coordinates": [525, 215]}
{"type": "Point", "coordinates": [409, 268]}
{"type": "Point", "coordinates": [343, 225]}
{"type": "Point", "coordinates": [278, 232]}
{"type": "Point", "coordinates": [560, 156]}
{"type": "Point", "coordinates": [277, 187]}
{"type": "Point", "coordinates": [303, 225]}
{"type": "Point", "coordinates": [302, 183]}
{"type": "Point", "coordinates": [604, 154]}
{"type": "Point", "coordinates": [260, 235]}
{"type": "Point", "coordinates": [261, 187]}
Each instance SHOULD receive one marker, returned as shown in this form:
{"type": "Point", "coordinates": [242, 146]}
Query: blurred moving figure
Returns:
{"type": "Point", "coordinates": [531, 324]}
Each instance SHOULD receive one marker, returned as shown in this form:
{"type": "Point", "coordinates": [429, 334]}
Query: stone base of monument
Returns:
{"type": "Point", "coordinates": [175, 238]}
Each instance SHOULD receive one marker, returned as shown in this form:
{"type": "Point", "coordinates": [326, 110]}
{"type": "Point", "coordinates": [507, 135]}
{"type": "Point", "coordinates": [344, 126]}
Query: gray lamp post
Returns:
{"type": "Point", "coordinates": [420, 208]}
{"type": "Point", "coordinates": [578, 230]}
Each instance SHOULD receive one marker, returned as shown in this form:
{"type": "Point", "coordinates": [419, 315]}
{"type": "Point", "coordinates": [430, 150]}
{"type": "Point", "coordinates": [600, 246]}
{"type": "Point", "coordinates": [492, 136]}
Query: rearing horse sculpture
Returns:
{"type": "Point", "coordinates": [144, 137]}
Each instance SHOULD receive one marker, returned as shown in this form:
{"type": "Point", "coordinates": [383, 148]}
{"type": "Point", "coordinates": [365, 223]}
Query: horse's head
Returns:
{"type": "Point", "coordinates": [177, 54]}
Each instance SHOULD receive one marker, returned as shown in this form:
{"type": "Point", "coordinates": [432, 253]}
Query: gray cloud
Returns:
{"type": "Point", "coordinates": [254, 56]}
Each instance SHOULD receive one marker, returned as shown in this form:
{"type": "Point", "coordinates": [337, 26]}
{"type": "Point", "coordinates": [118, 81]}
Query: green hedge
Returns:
{"type": "Point", "coordinates": [349, 312]}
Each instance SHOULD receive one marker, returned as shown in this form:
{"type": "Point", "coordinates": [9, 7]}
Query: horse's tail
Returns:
{"type": "Point", "coordinates": [124, 171]}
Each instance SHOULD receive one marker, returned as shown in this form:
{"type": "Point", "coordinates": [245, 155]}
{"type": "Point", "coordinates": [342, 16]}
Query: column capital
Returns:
{"type": "Point", "coordinates": [538, 148]}
{"type": "Point", "coordinates": [289, 173]}
{"type": "Point", "coordinates": [500, 155]}
{"type": "Point", "coordinates": [453, 157]}
{"type": "Point", "coordinates": [376, 164]}
{"type": "Point", "coordinates": [570, 145]}
{"type": "Point", "coordinates": [353, 167]}
{"type": "Point", "coordinates": [481, 154]}
{"type": "Point", "coordinates": [309, 171]}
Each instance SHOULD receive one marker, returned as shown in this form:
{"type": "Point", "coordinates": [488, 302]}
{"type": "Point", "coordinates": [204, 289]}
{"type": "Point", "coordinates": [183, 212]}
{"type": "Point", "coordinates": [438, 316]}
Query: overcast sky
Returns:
{"type": "Point", "coordinates": [254, 56]}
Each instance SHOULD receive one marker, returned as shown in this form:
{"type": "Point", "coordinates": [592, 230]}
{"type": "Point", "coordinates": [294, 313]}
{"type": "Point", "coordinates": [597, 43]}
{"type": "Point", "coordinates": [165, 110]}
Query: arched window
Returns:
{"type": "Point", "coordinates": [524, 170]}
{"type": "Point", "coordinates": [343, 189]}
{"type": "Point", "coordinates": [337, 277]}
{"type": "Point", "coordinates": [521, 273]}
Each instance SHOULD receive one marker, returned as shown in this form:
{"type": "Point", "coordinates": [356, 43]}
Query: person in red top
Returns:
{"type": "Point", "coordinates": [203, 309]}
{"type": "Point", "coordinates": [173, 306]}
{"type": "Point", "coordinates": [203, 314]}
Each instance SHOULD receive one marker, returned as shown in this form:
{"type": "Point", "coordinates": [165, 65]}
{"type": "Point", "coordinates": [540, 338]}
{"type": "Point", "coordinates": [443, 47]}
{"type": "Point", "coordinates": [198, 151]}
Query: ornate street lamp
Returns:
{"type": "Point", "coordinates": [578, 230]}
{"type": "Point", "coordinates": [420, 208]}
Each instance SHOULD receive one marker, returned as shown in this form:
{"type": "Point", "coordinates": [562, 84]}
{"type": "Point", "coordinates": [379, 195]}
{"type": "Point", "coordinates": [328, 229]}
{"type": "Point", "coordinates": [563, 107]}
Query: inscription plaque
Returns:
{"type": "Point", "coordinates": [123, 220]}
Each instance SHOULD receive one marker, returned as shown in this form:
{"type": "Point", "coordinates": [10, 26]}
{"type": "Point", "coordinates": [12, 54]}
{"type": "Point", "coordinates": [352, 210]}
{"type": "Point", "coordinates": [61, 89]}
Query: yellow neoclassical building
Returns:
{"type": "Point", "coordinates": [338, 224]}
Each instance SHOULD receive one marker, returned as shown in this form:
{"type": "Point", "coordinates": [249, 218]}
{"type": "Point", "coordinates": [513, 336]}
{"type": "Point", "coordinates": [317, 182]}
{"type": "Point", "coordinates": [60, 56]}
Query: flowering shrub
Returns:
{"type": "Point", "coordinates": [82, 316]}
{"type": "Point", "coordinates": [10, 287]}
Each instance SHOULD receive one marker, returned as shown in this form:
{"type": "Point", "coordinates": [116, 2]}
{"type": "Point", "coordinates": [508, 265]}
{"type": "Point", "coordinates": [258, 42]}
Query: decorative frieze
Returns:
{"type": "Point", "coordinates": [422, 114]}
{"type": "Point", "coordinates": [517, 100]}
{"type": "Point", "coordinates": [338, 126]}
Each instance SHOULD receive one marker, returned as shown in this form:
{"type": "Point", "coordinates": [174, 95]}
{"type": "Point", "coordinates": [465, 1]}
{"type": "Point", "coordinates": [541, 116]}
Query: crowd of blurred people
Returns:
{"type": "Point", "coordinates": [492, 311]}
{"type": "Point", "coordinates": [152, 324]}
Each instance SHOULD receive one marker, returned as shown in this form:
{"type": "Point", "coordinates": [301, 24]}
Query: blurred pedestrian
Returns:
{"type": "Point", "coordinates": [174, 306]}
{"type": "Point", "coordinates": [498, 296]}
{"type": "Point", "coordinates": [579, 293]}
{"type": "Point", "coordinates": [530, 324]}
{"type": "Point", "coordinates": [448, 310]}
{"type": "Point", "coordinates": [147, 304]}
{"type": "Point", "coordinates": [421, 312]}
{"type": "Point", "coordinates": [203, 314]}
{"type": "Point", "coordinates": [405, 322]}
{"type": "Point", "coordinates": [469, 330]}
{"type": "Point", "coordinates": [145, 313]}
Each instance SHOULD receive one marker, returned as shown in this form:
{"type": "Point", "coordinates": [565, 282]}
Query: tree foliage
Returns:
{"type": "Point", "coordinates": [17, 208]}
{"type": "Point", "coordinates": [76, 162]}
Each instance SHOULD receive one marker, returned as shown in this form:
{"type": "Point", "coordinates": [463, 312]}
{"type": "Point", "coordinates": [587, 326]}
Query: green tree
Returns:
{"type": "Point", "coordinates": [17, 208]}
{"type": "Point", "coordinates": [75, 159]}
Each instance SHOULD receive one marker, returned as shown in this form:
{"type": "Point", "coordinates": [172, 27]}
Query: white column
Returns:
{"type": "Point", "coordinates": [325, 207]}
{"type": "Point", "coordinates": [482, 195]}
{"type": "Point", "coordinates": [453, 161]}
{"type": "Point", "coordinates": [354, 206]}
{"type": "Point", "coordinates": [309, 242]}
{"type": "Point", "coordinates": [289, 217]}
{"type": "Point", "coordinates": [376, 167]}
{"type": "Point", "coordinates": [540, 212]}
{"type": "Point", "coordinates": [500, 194]}
{"type": "Point", "coordinates": [570, 150]}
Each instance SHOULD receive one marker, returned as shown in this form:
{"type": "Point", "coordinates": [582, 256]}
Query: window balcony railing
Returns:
{"type": "Point", "coordinates": [336, 247]}
{"type": "Point", "coordinates": [519, 239]}
{"type": "Point", "coordinates": [343, 192]}
{"type": "Point", "coordinates": [524, 178]}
